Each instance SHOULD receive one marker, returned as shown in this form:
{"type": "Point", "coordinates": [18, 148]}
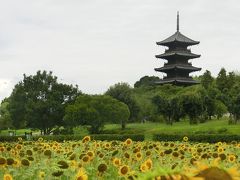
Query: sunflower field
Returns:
{"type": "Point", "coordinates": [90, 159]}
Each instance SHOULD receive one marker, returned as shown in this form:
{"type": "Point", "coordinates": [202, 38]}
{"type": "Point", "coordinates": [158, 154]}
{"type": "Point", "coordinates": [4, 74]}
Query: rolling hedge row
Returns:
{"type": "Point", "coordinates": [211, 138]}
{"type": "Point", "coordinates": [61, 138]}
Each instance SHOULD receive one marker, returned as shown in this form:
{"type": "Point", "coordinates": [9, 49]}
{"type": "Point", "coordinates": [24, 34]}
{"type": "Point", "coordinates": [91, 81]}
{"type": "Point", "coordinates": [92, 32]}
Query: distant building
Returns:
{"type": "Point", "coordinates": [177, 55]}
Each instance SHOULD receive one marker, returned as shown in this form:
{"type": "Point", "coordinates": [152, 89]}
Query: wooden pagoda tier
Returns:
{"type": "Point", "coordinates": [177, 55]}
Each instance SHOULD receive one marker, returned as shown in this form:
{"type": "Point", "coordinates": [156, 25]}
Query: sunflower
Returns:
{"type": "Point", "coordinates": [73, 164]}
{"type": "Point", "coordinates": [40, 139]}
{"type": "Point", "coordinates": [214, 173]}
{"type": "Point", "coordinates": [86, 159]}
{"type": "Point", "coordinates": [143, 167]}
{"type": "Point", "coordinates": [48, 153]}
{"type": "Point", "coordinates": [231, 158]}
{"type": "Point", "coordinates": [41, 174]}
{"type": "Point", "coordinates": [148, 153]}
{"type": "Point", "coordinates": [102, 168]}
{"type": "Point", "coordinates": [220, 149]}
{"type": "Point", "coordinates": [90, 154]}
{"type": "Point", "coordinates": [222, 156]}
{"type": "Point", "coordinates": [86, 139]}
{"type": "Point", "coordinates": [29, 152]}
{"type": "Point", "coordinates": [219, 143]}
{"type": "Point", "coordinates": [123, 170]}
{"type": "Point", "coordinates": [17, 163]}
{"type": "Point", "coordinates": [107, 146]}
{"type": "Point", "coordinates": [25, 162]}
{"type": "Point", "coordinates": [57, 173]}
{"type": "Point", "coordinates": [81, 175]}
{"type": "Point", "coordinates": [18, 146]}
{"type": "Point", "coordinates": [149, 163]}
{"type": "Point", "coordinates": [138, 156]}
{"type": "Point", "coordinates": [116, 162]}
{"type": "Point", "coordinates": [7, 177]}
{"type": "Point", "coordinates": [3, 161]}
{"type": "Point", "coordinates": [63, 164]}
{"type": "Point", "coordinates": [185, 138]}
{"type": "Point", "coordinates": [128, 142]}
{"type": "Point", "coordinates": [127, 155]}
{"type": "Point", "coordinates": [10, 161]}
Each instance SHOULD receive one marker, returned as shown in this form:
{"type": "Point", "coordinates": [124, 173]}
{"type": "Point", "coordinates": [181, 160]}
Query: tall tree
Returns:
{"type": "Point", "coordinates": [207, 79]}
{"type": "Point", "coordinates": [146, 81]}
{"type": "Point", "coordinates": [96, 111]}
{"type": "Point", "coordinates": [39, 101]}
{"type": "Point", "coordinates": [170, 108]}
{"type": "Point", "coordinates": [5, 119]}
{"type": "Point", "coordinates": [192, 106]}
{"type": "Point", "coordinates": [222, 81]}
{"type": "Point", "coordinates": [123, 92]}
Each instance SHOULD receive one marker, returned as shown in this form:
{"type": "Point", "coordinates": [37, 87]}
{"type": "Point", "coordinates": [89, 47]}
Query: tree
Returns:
{"type": "Point", "coordinates": [171, 108]}
{"type": "Point", "coordinates": [231, 79]}
{"type": "Point", "coordinates": [222, 81]}
{"type": "Point", "coordinates": [39, 101]}
{"type": "Point", "coordinates": [220, 109]}
{"type": "Point", "coordinates": [146, 81]}
{"type": "Point", "coordinates": [235, 110]}
{"type": "Point", "coordinates": [16, 106]}
{"type": "Point", "coordinates": [192, 106]}
{"type": "Point", "coordinates": [95, 111]}
{"type": "Point", "coordinates": [5, 119]}
{"type": "Point", "coordinates": [123, 92]}
{"type": "Point", "coordinates": [207, 79]}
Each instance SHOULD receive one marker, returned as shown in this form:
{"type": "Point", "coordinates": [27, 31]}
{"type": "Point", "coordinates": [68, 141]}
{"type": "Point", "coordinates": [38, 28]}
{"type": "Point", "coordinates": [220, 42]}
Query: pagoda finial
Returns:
{"type": "Point", "coordinates": [177, 21]}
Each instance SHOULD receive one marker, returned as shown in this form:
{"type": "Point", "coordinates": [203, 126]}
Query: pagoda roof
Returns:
{"type": "Point", "coordinates": [177, 37]}
{"type": "Point", "coordinates": [183, 81]}
{"type": "Point", "coordinates": [177, 53]}
{"type": "Point", "coordinates": [177, 66]}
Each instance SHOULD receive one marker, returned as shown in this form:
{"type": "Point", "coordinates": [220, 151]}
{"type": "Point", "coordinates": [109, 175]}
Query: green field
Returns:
{"type": "Point", "coordinates": [149, 128]}
{"type": "Point", "coordinates": [211, 127]}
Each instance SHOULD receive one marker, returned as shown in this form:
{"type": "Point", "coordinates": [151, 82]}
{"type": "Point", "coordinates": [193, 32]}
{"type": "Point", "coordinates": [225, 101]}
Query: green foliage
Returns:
{"type": "Point", "coordinates": [95, 111]}
{"type": "Point", "coordinates": [220, 109]}
{"type": "Point", "coordinates": [192, 106]}
{"type": "Point", "coordinates": [171, 109]}
{"type": "Point", "coordinates": [207, 79]}
{"type": "Point", "coordinates": [38, 101]}
{"type": "Point", "coordinates": [211, 138]}
{"type": "Point", "coordinates": [222, 81]}
{"type": "Point", "coordinates": [123, 92]}
{"type": "Point", "coordinates": [5, 119]}
{"type": "Point", "coordinates": [146, 81]}
{"type": "Point", "coordinates": [61, 138]}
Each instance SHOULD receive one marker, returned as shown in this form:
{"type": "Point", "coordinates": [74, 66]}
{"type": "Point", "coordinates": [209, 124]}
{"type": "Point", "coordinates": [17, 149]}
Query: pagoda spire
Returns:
{"type": "Point", "coordinates": [177, 21]}
{"type": "Point", "coordinates": [177, 56]}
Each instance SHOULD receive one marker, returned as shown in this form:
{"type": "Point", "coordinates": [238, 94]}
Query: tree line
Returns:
{"type": "Point", "coordinates": [41, 102]}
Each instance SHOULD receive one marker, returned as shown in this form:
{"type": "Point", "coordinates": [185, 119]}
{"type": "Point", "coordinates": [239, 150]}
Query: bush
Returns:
{"type": "Point", "coordinates": [211, 138]}
{"type": "Point", "coordinates": [61, 138]}
{"type": "Point", "coordinates": [222, 130]}
{"type": "Point", "coordinates": [10, 138]}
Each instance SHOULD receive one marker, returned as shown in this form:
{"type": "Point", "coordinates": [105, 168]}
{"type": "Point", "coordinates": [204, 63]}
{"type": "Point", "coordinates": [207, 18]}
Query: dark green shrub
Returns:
{"type": "Point", "coordinates": [61, 138]}
{"type": "Point", "coordinates": [222, 130]}
{"type": "Point", "coordinates": [211, 138]}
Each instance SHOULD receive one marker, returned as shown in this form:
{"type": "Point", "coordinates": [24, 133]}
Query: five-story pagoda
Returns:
{"type": "Point", "coordinates": [177, 55]}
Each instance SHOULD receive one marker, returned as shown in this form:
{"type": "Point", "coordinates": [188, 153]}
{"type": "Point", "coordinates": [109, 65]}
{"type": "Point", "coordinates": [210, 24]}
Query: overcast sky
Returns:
{"type": "Point", "coordinates": [97, 43]}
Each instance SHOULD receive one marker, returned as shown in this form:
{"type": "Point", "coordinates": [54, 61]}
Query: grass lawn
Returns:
{"type": "Point", "coordinates": [211, 127]}
{"type": "Point", "coordinates": [148, 129]}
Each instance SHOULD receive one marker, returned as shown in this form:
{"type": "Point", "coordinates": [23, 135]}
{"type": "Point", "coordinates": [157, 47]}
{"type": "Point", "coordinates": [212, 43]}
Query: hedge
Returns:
{"type": "Point", "coordinates": [211, 138]}
{"type": "Point", "coordinates": [61, 138]}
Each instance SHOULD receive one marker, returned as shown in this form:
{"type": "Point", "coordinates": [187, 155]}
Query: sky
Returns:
{"type": "Point", "coordinates": [97, 43]}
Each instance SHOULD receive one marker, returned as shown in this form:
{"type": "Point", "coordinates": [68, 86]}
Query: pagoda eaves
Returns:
{"type": "Point", "coordinates": [177, 68]}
